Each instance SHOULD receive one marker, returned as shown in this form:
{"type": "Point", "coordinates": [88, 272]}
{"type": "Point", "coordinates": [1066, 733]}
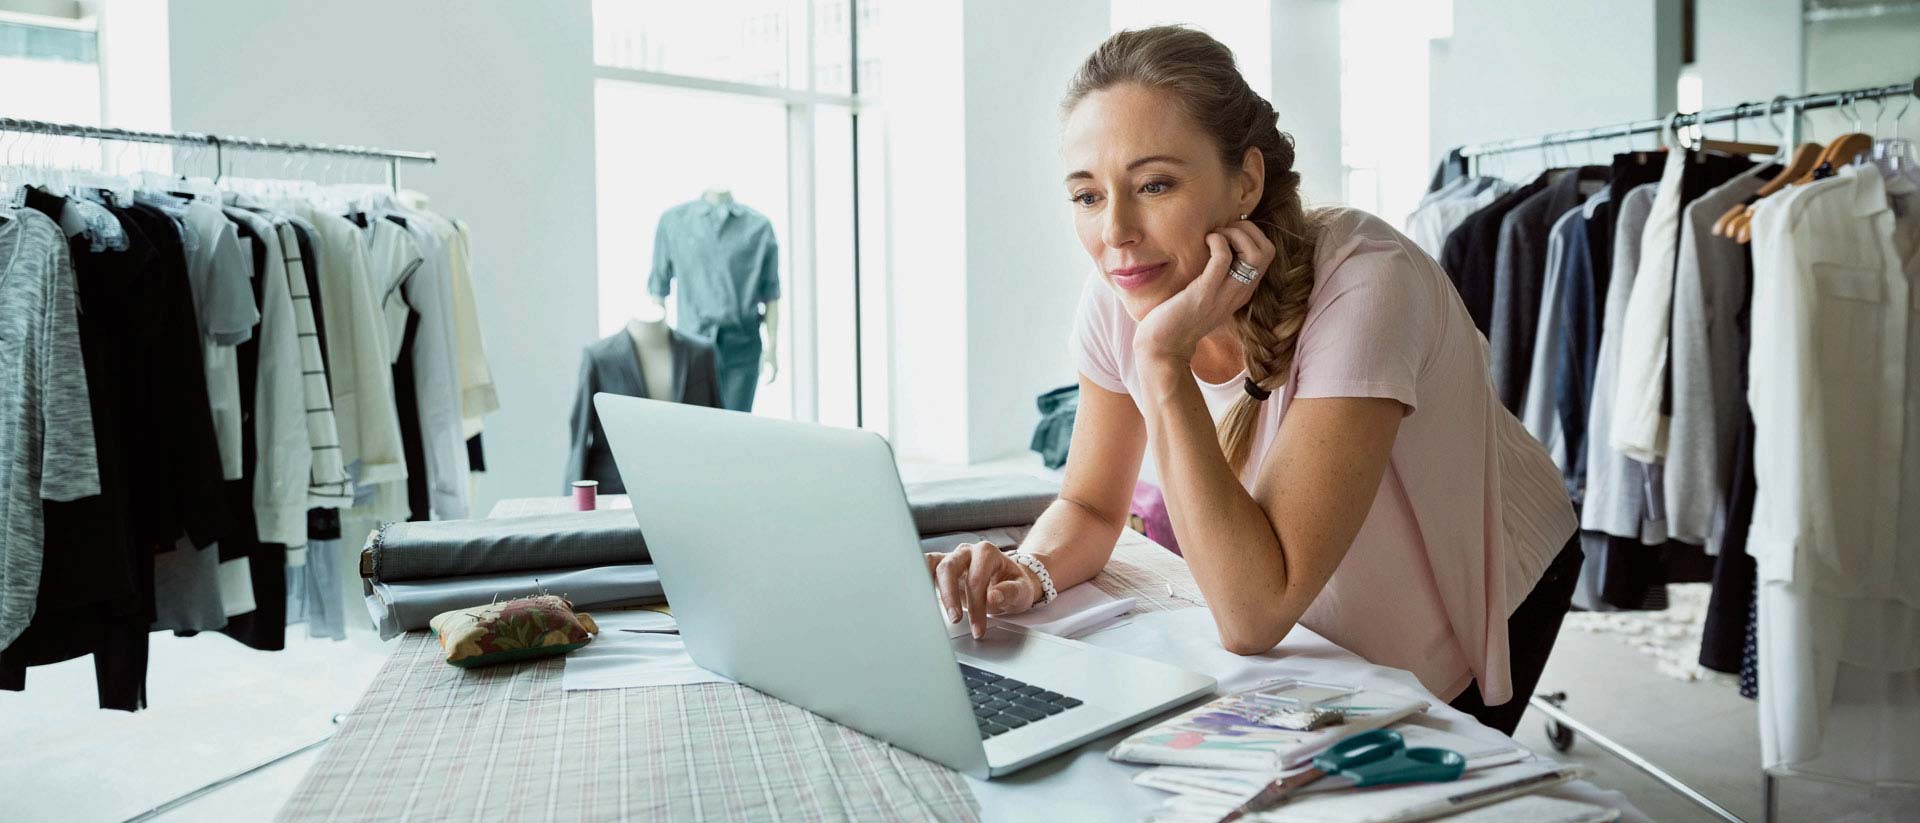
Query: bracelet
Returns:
{"type": "Point", "coordinates": [1039, 571]}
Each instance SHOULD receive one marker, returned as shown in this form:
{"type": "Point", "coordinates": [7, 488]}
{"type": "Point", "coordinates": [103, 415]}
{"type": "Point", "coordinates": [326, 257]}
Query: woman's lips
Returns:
{"type": "Point", "coordinates": [1137, 276]}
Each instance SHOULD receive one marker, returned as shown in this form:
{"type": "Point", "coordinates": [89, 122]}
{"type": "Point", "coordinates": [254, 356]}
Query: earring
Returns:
{"type": "Point", "coordinates": [1243, 217]}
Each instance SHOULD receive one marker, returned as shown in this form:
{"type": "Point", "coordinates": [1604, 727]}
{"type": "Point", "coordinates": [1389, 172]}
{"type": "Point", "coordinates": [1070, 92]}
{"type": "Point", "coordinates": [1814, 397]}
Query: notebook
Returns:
{"type": "Point", "coordinates": [1236, 784]}
{"type": "Point", "coordinates": [1231, 733]}
{"type": "Point", "coordinates": [1404, 803]}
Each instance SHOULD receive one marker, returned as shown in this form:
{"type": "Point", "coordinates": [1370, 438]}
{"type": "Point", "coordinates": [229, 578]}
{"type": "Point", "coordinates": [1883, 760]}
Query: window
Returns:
{"type": "Point", "coordinates": [57, 60]}
{"type": "Point", "coordinates": [757, 97]}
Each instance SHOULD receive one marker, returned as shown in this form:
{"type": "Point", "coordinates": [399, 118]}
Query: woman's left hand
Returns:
{"type": "Point", "coordinates": [1174, 328]}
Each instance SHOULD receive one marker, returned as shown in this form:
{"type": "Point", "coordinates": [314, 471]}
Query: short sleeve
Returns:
{"type": "Point", "coordinates": [231, 313]}
{"type": "Point", "coordinates": [1096, 337]}
{"type": "Point", "coordinates": [660, 281]}
{"type": "Point", "coordinates": [1364, 329]}
{"type": "Point", "coordinates": [769, 285]}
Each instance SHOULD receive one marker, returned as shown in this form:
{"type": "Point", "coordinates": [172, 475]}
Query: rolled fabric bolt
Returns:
{"type": "Point", "coordinates": [585, 495]}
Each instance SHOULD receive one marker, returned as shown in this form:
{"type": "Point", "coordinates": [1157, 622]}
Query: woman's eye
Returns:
{"type": "Point", "coordinates": [1084, 198]}
{"type": "Point", "coordinates": [1155, 187]}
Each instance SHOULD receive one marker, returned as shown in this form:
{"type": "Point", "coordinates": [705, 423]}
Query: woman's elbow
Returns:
{"type": "Point", "coordinates": [1251, 640]}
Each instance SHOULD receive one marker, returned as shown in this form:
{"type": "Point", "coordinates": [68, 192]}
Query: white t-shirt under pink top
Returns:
{"type": "Point", "coordinates": [1471, 509]}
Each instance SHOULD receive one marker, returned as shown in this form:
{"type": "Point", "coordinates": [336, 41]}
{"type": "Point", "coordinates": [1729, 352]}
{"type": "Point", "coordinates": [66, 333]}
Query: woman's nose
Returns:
{"type": "Point", "coordinates": [1121, 229]}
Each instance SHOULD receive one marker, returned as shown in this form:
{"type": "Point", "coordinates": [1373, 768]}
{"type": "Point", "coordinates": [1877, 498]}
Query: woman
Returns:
{"type": "Point", "coordinates": [1361, 478]}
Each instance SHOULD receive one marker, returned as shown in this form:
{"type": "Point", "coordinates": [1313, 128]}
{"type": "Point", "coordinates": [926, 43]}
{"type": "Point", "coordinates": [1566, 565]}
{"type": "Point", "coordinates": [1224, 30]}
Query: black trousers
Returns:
{"type": "Point", "coordinates": [1531, 632]}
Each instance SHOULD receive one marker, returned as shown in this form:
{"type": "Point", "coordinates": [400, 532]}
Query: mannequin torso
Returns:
{"type": "Point", "coordinates": [652, 343]}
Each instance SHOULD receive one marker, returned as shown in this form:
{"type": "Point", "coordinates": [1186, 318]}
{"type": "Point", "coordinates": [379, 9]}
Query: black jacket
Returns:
{"type": "Point", "coordinates": [611, 365]}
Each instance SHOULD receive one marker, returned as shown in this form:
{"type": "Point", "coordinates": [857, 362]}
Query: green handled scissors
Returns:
{"type": "Point", "coordinates": [1373, 758]}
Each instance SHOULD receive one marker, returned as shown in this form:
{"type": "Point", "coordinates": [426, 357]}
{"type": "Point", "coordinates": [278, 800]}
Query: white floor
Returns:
{"type": "Point", "coordinates": [219, 708]}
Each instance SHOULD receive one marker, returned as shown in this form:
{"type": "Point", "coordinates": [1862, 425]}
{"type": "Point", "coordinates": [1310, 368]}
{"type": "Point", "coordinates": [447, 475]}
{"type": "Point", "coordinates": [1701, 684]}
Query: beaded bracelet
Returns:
{"type": "Point", "coordinates": [1039, 571]}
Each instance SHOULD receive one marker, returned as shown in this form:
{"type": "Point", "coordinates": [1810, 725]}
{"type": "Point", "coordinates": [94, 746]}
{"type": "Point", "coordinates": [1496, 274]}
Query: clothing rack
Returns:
{"type": "Point", "coordinates": [1561, 726]}
{"type": "Point", "coordinates": [1740, 111]}
{"type": "Point", "coordinates": [222, 142]}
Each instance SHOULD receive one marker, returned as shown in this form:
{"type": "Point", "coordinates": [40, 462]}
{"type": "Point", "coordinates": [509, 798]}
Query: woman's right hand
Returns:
{"type": "Point", "coordinates": [979, 580]}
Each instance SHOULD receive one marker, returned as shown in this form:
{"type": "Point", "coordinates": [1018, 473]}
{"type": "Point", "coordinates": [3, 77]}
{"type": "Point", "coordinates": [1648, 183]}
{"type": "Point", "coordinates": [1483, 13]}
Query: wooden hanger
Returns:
{"type": "Point", "coordinates": [1805, 159]}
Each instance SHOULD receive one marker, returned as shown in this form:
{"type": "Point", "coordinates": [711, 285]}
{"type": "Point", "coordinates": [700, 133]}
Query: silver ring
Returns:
{"type": "Point", "coordinates": [1242, 272]}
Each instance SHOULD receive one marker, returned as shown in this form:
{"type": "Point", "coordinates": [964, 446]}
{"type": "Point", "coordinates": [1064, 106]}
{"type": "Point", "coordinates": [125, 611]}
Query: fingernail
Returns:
{"type": "Point", "coordinates": [953, 616]}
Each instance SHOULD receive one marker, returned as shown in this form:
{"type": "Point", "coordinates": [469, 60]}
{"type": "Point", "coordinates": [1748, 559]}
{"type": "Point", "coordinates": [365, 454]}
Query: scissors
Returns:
{"type": "Point", "coordinates": [1373, 758]}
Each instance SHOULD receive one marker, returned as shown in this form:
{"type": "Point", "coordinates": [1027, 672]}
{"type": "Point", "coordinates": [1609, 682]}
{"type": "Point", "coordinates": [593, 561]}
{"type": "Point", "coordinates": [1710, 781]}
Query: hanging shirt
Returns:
{"type": "Point", "coordinates": [1430, 224]}
{"type": "Point", "coordinates": [1536, 410]}
{"type": "Point", "coordinates": [1837, 457]}
{"type": "Point", "coordinates": [327, 483]}
{"type": "Point", "coordinates": [478, 397]}
{"type": "Point", "coordinates": [1709, 287]}
{"type": "Point", "coordinates": [223, 274]}
{"type": "Point", "coordinates": [46, 423]}
{"type": "Point", "coordinates": [359, 369]}
{"type": "Point", "coordinates": [1519, 266]}
{"type": "Point", "coordinates": [726, 260]}
{"type": "Point", "coordinates": [1615, 500]}
{"type": "Point", "coordinates": [1470, 510]}
{"type": "Point", "coordinates": [283, 452]}
{"type": "Point", "coordinates": [436, 367]}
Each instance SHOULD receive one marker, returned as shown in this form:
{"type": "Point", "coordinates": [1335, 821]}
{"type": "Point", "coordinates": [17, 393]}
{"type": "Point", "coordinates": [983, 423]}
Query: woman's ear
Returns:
{"type": "Point", "coordinates": [1252, 178]}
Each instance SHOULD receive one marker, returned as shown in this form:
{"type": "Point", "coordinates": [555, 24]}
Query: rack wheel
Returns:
{"type": "Point", "coordinates": [1560, 736]}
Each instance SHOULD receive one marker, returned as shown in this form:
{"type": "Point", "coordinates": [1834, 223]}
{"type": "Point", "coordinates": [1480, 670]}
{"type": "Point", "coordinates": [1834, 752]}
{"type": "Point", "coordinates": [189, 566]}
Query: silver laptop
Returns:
{"type": "Point", "coordinates": [792, 563]}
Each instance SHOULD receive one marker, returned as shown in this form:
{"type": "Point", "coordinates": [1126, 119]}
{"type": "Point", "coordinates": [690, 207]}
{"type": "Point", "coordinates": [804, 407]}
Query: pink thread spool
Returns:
{"type": "Point", "coordinates": [585, 495]}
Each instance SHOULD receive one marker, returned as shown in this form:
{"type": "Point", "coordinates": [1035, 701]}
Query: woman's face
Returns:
{"type": "Point", "coordinates": [1146, 186]}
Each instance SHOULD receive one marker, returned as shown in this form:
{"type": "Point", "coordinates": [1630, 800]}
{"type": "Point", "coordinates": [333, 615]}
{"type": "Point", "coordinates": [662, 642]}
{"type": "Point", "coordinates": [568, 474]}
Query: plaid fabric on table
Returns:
{"type": "Point", "coordinates": [430, 741]}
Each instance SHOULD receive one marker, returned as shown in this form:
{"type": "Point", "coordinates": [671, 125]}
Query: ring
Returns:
{"type": "Point", "coordinates": [1242, 272]}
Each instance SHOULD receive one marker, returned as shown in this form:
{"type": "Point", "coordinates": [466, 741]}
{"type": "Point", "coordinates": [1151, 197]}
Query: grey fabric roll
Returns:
{"type": "Point", "coordinates": [448, 548]}
{"type": "Point", "coordinates": [404, 606]}
{"type": "Point", "coordinates": [975, 503]}
{"type": "Point", "coordinates": [427, 550]}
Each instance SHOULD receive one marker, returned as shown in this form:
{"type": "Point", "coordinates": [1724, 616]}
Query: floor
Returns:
{"type": "Point", "coordinates": [219, 708]}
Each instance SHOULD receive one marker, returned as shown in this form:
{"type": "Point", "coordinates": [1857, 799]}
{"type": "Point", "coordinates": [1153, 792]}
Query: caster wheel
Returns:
{"type": "Point", "coordinates": [1560, 736]}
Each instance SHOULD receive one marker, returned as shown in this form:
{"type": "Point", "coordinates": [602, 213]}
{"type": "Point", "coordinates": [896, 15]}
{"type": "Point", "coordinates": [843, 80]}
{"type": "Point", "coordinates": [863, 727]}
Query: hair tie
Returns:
{"type": "Point", "coordinates": [1257, 393]}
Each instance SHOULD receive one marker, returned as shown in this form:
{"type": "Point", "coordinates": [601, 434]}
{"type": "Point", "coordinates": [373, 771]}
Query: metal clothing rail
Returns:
{"type": "Point", "coordinates": [1739, 111]}
{"type": "Point", "coordinates": [1561, 726]}
{"type": "Point", "coordinates": [221, 142]}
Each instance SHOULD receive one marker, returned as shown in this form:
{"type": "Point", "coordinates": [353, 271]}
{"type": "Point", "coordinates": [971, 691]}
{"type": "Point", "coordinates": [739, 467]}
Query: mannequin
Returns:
{"type": "Point", "coordinates": [652, 345]}
{"type": "Point", "coordinates": [727, 257]}
{"type": "Point", "coordinates": [770, 339]}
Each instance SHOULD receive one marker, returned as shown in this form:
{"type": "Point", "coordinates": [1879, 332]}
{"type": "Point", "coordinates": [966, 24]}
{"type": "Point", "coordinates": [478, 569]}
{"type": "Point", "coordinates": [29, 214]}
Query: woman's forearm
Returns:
{"type": "Point", "coordinates": [1072, 541]}
{"type": "Point", "coordinates": [1226, 537]}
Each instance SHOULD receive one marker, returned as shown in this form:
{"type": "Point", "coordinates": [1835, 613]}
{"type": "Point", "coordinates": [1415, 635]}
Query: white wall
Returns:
{"type": "Point", "coordinates": [985, 267]}
{"type": "Point", "coordinates": [1519, 68]}
{"type": "Point", "coordinates": [503, 91]}
{"type": "Point", "coordinates": [1024, 264]}
{"type": "Point", "coordinates": [1848, 54]}
{"type": "Point", "coordinates": [1306, 92]}
{"type": "Point", "coordinates": [1748, 51]}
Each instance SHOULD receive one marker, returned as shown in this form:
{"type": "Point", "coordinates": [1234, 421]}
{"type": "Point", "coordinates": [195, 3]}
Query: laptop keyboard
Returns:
{"type": "Point", "coordinates": [1002, 704]}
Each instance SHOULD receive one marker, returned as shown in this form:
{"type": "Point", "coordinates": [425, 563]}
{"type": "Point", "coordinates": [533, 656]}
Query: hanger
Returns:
{"type": "Point", "coordinates": [1736, 146]}
{"type": "Point", "coordinates": [1805, 158]}
{"type": "Point", "coordinates": [1842, 151]}
{"type": "Point", "coordinates": [1895, 156]}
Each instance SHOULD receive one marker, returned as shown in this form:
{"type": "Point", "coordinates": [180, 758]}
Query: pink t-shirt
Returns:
{"type": "Point", "coordinates": [1471, 509]}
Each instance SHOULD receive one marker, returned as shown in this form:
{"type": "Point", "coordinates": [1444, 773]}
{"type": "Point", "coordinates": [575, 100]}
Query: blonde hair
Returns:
{"type": "Point", "coordinates": [1200, 75]}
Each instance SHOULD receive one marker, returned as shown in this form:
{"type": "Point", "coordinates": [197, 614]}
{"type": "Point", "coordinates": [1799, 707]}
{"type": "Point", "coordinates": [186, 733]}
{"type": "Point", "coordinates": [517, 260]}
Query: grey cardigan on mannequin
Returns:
{"type": "Point", "coordinates": [611, 365]}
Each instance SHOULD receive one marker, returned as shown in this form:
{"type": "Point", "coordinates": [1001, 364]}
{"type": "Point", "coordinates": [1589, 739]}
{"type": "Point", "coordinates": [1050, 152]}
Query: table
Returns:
{"type": "Point", "coordinates": [432, 742]}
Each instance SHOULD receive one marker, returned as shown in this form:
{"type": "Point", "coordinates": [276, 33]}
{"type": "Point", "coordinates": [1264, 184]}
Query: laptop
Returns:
{"type": "Point", "coordinates": [791, 560]}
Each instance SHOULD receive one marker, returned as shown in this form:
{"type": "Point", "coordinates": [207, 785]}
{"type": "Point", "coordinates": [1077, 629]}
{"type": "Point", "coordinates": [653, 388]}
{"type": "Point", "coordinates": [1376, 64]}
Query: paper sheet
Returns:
{"type": "Point", "coordinates": [1236, 783]}
{"type": "Point", "coordinates": [618, 659]}
{"type": "Point", "coordinates": [1385, 804]}
{"type": "Point", "coordinates": [1078, 611]}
